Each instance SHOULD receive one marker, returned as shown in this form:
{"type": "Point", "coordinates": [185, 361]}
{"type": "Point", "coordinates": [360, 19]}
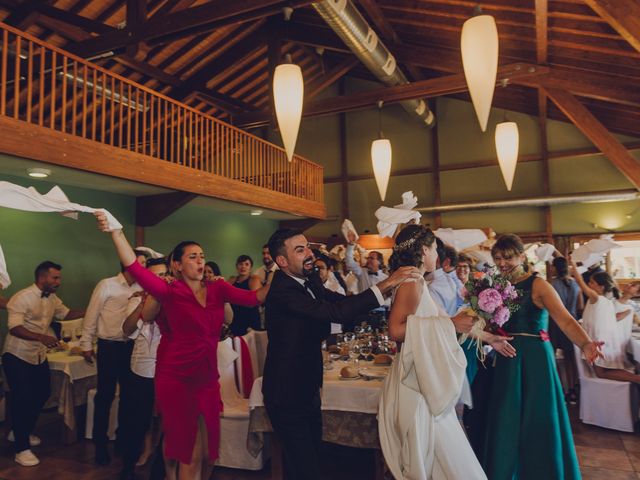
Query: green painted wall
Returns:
{"type": "Point", "coordinates": [87, 255]}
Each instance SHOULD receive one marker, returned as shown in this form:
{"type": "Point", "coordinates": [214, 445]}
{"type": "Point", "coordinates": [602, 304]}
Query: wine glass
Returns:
{"type": "Point", "coordinates": [78, 333]}
{"type": "Point", "coordinates": [366, 348]}
{"type": "Point", "coordinates": [354, 352]}
{"type": "Point", "coordinates": [349, 337]}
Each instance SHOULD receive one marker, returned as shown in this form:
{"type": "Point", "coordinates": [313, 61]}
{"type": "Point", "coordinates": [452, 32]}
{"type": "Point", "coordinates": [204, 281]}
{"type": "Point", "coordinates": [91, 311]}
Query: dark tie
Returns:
{"type": "Point", "coordinates": [309, 286]}
{"type": "Point", "coordinates": [45, 294]}
{"type": "Point", "coordinates": [375, 274]}
{"type": "Point", "coordinates": [267, 276]}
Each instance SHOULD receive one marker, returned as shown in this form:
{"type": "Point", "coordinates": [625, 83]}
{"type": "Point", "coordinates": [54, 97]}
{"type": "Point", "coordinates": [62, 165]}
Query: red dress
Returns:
{"type": "Point", "coordinates": [186, 379]}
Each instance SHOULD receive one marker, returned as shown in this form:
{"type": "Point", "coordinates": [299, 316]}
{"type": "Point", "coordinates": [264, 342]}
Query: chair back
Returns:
{"type": "Point", "coordinates": [584, 370]}
{"type": "Point", "coordinates": [226, 368]}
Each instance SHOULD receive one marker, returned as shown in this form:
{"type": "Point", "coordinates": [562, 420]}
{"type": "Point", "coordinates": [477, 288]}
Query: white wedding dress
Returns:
{"type": "Point", "coordinates": [599, 321]}
{"type": "Point", "coordinates": [420, 435]}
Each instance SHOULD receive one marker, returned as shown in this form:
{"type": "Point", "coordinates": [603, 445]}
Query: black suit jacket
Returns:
{"type": "Point", "coordinates": [297, 324]}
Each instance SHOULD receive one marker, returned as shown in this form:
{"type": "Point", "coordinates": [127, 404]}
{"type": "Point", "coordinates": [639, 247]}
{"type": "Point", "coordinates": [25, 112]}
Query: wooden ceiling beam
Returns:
{"type": "Point", "coordinates": [332, 76]}
{"type": "Point", "coordinates": [169, 27]}
{"type": "Point", "coordinates": [152, 209]}
{"type": "Point", "coordinates": [74, 19]}
{"type": "Point", "coordinates": [589, 125]}
{"type": "Point", "coordinates": [622, 15]}
{"type": "Point", "coordinates": [542, 40]}
{"type": "Point", "coordinates": [136, 18]}
{"type": "Point", "coordinates": [23, 14]}
{"type": "Point", "coordinates": [433, 87]}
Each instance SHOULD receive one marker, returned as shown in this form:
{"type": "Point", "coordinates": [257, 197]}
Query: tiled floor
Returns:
{"type": "Point", "coordinates": [603, 454]}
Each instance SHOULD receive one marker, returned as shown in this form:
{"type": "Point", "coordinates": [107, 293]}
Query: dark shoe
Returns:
{"type": "Point", "coordinates": [102, 455]}
{"type": "Point", "coordinates": [572, 397]}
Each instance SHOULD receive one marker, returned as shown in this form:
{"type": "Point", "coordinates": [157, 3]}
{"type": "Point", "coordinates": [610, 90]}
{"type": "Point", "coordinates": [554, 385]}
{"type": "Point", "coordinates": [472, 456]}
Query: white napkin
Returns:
{"type": "Point", "coordinates": [545, 252]}
{"type": "Point", "coordinates": [461, 239]}
{"type": "Point", "coordinates": [593, 251]}
{"type": "Point", "coordinates": [480, 256]}
{"type": "Point", "coordinates": [347, 227]}
{"type": "Point", "coordinates": [152, 253]}
{"type": "Point", "coordinates": [390, 218]}
{"type": "Point", "coordinates": [5, 280]}
{"type": "Point", "coordinates": [28, 199]}
{"type": "Point", "coordinates": [338, 252]}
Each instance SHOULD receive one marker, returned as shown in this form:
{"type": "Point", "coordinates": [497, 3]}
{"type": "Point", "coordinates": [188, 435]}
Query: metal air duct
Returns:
{"type": "Point", "coordinates": [345, 19]}
{"type": "Point", "coordinates": [585, 197]}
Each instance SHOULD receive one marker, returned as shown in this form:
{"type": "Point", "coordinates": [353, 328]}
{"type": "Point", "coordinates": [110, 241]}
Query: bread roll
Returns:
{"type": "Point", "coordinates": [349, 372]}
{"type": "Point", "coordinates": [382, 359]}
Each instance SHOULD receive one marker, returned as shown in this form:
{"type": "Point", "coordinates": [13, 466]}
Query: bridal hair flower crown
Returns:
{"type": "Point", "coordinates": [407, 243]}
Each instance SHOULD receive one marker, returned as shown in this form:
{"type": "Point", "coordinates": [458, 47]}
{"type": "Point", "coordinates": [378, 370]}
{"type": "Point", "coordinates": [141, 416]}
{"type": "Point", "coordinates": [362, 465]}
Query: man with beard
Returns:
{"type": "Point", "coordinates": [265, 272]}
{"type": "Point", "coordinates": [299, 312]}
{"type": "Point", "coordinates": [31, 312]}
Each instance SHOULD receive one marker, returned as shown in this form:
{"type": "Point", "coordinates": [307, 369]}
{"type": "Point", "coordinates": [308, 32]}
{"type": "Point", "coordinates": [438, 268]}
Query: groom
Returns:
{"type": "Point", "coordinates": [299, 312]}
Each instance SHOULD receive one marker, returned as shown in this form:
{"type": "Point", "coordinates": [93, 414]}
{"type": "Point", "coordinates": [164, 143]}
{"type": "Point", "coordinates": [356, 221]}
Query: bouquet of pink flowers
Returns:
{"type": "Point", "coordinates": [491, 297]}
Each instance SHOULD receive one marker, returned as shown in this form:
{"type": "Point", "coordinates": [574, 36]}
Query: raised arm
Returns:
{"type": "Point", "coordinates": [350, 262]}
{"type": "Point", "coordinates": [591, 294]}
{"type": "Point", "coordinates": [545, 296]}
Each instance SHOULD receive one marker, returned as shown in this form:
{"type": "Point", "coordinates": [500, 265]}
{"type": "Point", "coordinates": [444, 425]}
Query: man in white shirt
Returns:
{"type": "Point", "coordinates": [105, 315]}
{"type": "Point", "coordinates": [265, 272]}
{"type": "Point", "coordinates": [31, 312]}
{"type": "Point", "coordinates": [372, 272]}
{"type": "Point", "coordinates": [329, 281]}
{"type": "Point", "coordinates": [443, 283]}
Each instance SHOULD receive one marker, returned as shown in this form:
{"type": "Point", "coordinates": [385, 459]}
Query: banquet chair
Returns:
{"type": "Point", "coordinates": [256, 344]}
{"type": "Point", "coordinates": [606, 403]}
{"type": "Point", "coordinates": [234, 421]}
{"type": "Point", "coordinates": [113, 414]}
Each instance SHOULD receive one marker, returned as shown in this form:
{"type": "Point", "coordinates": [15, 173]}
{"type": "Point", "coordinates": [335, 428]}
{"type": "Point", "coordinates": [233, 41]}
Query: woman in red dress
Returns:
{"type": "Point", "coordinates": [187, 388]}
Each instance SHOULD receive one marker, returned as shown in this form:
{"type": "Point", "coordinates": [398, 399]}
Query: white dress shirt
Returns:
{"type": "Point", "coordinates": [366, 279]}
{"type": "Point", "coordinates": [107, 311]}
{"type": "Point", "coordinates": [333, 285]}
{"type": "Point", "coordinates": [444, 291]}
{"type": "Point", "coordinates": [29, 309]}
{"type": "Point", "coordinates": [143, 358]}
{"type": "Point", "coordinates": [376, 291]}
{"type": "Point", "coordinates": [263, 270]}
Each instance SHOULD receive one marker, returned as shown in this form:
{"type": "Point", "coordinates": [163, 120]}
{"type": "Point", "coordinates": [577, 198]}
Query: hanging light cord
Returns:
{"type": "Point", "coordinates": [380, 103]}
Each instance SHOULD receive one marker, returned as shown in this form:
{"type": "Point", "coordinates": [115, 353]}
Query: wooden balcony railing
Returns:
{"type": "Point", "coordinates": [46, 86]}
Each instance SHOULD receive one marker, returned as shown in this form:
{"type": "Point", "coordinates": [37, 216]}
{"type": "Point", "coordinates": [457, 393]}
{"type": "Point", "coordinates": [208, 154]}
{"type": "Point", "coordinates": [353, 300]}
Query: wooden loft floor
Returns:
{"type": "Point", "coordinates": [60, 109]}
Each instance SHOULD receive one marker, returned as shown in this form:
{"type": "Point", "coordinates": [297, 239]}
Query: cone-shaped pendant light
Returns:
{"type": "Point", "coordinates": [507, 140]}
{"type": "Point", "coordinates": [288, 93]}
{"type": "Point", "coordinates": [479, 45]}
{"type": "Point", "coordinates": [381, 158]}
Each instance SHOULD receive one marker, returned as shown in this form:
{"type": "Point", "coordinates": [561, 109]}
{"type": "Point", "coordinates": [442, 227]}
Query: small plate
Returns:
{"type": "Point", "coordinates": [373, 373]}
{"type": "Point", "coordinates": [349, 378]}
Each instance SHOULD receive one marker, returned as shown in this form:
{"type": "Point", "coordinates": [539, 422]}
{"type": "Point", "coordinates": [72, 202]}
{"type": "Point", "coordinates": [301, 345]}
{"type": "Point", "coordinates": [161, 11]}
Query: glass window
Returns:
{"type": "Point", "coordinates": [625, 261]}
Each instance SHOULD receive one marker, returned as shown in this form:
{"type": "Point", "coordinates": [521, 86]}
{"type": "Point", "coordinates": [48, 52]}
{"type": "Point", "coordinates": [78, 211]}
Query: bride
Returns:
{"type": "Point", "coordinates": [420, 435]}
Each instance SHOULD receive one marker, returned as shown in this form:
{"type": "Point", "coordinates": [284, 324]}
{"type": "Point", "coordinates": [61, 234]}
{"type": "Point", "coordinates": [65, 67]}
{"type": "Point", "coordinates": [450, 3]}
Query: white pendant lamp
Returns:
{"type": "Point", "coordinates": [381, 158]}
{"type": "Point", "coordinates": [288, 93]}
{"type": "Point", "coordinates": [507, 140]}
{"type": "Point", "coordinates": [479, 45]}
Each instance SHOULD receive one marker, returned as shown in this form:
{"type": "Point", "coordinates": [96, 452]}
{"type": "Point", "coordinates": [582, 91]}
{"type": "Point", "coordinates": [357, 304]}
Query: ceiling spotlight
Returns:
{"type": "Point", "coordinates": [255, 213]}
{"type": "Point", "coordinates": [38, 172]}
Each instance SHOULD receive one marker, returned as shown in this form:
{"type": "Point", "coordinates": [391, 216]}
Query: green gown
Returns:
{"type": "Point", "coordinates": [528, 432]}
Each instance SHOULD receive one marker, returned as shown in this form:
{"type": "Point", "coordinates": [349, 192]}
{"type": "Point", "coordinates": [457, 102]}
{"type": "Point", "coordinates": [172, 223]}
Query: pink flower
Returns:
{"type": "Point", "coordinates": [501, 315]}
{"type": "Point", "coordinates": [509, 293]}
{"type": "Point", "coordinates": [489, 300]}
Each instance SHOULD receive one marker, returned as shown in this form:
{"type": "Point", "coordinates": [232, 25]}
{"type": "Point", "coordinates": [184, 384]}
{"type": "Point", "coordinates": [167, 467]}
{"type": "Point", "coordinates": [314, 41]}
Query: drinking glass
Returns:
{"type": "Point", "coordinates": [366, 348]}
{"type": "Point", "coordinates": [354, 352]}
{"type": "Point", "coordinates": [78, 333]}
{"type": "Point", "coordinates": [66, 335]}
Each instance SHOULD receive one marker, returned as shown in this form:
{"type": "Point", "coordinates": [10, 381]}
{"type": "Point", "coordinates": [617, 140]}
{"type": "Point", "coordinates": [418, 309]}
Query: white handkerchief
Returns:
{"type": "Point", "coordinates": [5, 280]}
{"type": "Point", "coordinates": [462, 238]}
{"type": "Point", "coordinates": [347, 227]}
{"type": "Point", "coordinates": [226, 355]}
{"type": "Point", "coordinates": [409, 201]}
{"type": "Point", "coordinates": [28, 199]}
{"type": "Point", "coordinates": [390, 218]}
{"type": "Point", "coordinates": [545, 252]}
{"type": "Point", "coordinates": [338, 252]}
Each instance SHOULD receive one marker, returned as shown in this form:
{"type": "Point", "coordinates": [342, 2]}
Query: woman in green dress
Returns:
{"type": "Point", "coordinates": [528, 432]}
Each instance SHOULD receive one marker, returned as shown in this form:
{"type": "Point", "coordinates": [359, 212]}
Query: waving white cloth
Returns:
{"type": "Point", "coordinates": [5, 280]}
{"type": "Point", "coordinates": [462, 238]}
{"type": "Point", "coordinates": [545, 252]}
{"type": "Point", "coordinates": [420, 435]}
{"type": "Point", "coordinates": [390, 218]}
{"type": "Point", "coordinates": [28, 199]}
{"type": "Point", "coordinates": [347, 227]}
{"type": "Point", "coordinates": [593, 251]}
{"type": "Point", "coordinates": [599, 321]}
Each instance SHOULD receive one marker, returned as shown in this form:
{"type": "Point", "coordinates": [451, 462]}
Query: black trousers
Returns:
{"type": "Point", "coordinates": [113, 369]}
{"type": "Point", "coordinates": [30, 388]}
{"type": "Point", "coordinates": [299, 430]}
{"type": "Point", "coordinates": [141, 396]}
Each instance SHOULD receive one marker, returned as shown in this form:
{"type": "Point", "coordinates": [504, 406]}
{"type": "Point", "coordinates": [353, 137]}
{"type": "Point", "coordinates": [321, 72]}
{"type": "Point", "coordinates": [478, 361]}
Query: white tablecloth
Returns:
{"type": "Point", "coordinates": [338, 395]}
{"type": "Point", "coordinates": [73, 366]}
